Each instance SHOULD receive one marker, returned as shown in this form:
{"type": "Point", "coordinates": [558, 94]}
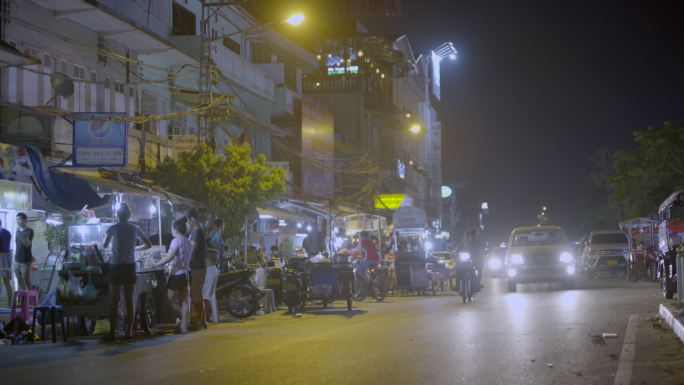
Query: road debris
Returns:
{"type": "Point", "coordinates": [549, 365]}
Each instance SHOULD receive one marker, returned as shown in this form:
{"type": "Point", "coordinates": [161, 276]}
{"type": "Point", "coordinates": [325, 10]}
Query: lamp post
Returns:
{"type": "Point", "coordinates": [445, 50]}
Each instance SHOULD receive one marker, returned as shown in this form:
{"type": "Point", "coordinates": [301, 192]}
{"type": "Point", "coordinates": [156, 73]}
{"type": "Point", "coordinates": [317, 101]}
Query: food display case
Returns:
{"type": "Point", "coordinates": [85, 242]}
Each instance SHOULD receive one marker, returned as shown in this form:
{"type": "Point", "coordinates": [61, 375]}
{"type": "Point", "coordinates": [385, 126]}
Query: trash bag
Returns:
{"type": "Point", "coordinates": [89, 295]}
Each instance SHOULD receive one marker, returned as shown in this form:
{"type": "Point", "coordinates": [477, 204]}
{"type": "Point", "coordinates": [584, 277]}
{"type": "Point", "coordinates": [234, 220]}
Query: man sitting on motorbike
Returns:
{"type": "Point", "coordinates": [472, 245]}
{"type": "Point", "coordinates": [370, 253]}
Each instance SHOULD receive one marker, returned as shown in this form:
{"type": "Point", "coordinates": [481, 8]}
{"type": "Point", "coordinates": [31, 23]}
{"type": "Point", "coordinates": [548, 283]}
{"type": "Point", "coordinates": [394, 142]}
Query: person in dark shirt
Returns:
{"type": "Point", "coordinates": [198, 269]}
{"type": "Point", "coordinates": [6, 261]}
{"type": "Point", "coordinates": [123, 237]}
{"type": "Point", "coordinates": [22, 252]}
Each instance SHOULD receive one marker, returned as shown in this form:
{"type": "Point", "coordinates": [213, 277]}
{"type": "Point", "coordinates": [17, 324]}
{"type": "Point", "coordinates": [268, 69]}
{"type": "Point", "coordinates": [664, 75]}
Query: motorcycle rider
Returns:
{"type": "Point", "coordinates": [472, 245]}
{"type": "Point", "coordinates": [367, 248]}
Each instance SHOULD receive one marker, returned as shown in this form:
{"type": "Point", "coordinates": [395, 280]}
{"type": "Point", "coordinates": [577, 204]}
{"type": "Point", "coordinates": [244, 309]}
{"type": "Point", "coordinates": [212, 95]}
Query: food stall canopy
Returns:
{"type": "Point", "coordinates": [638, 223]}
{"type": "Point", "coordinates": [64, 190]}
{"type": "Point", "coordinates": [672, 199]}
{"type": "Point", "coordinates": [362, 222]}
{"type": "Point", "coordinates": [266, 212]}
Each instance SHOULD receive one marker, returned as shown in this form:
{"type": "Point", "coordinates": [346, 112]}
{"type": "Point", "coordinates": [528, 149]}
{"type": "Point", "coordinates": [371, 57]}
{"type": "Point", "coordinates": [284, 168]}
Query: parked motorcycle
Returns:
{"type": "Point", "coordinates": [467, 276]}
{"type": "Point", "coordinates": [235, 291]}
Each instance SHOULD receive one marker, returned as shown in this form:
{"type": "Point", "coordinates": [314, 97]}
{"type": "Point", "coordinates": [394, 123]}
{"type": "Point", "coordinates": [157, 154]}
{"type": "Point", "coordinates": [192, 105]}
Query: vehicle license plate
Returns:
{"type": "Point", "coordinates": [612, 262]}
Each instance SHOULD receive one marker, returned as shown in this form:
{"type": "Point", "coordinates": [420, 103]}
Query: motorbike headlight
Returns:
{"type": "Point", "coordinates": [494, 264]}
{"type": "Point", "coordinates": [464, 257]}
{"type": "Point", "coordinates": [566, 257]}
{"type": "Point", "coordinates": [517, 259]}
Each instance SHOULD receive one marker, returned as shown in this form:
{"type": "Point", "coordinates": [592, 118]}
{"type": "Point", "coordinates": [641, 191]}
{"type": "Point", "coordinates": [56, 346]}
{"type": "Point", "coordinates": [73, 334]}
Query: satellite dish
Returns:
{"type": "Point", "coordinates": [62, 84]}
{"type": "Point", "coordinates": [25, 125]}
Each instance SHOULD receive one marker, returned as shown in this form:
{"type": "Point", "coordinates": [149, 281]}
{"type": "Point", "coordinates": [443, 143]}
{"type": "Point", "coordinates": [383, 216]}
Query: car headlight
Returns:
{"type": "Point", "coordinates": [517, 259]}
{"type": "Point", "coordinates": [566, 257]}
{"type": "Point", "coordinates": [464, 257]}
{"type": "Point", "coordinates": [494, 263]}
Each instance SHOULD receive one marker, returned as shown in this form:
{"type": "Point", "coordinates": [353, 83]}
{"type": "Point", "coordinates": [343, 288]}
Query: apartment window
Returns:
{"type": "Point", "coordinates": [231, 45]}
{"type": "Point", "coordinates": [93, 76]}
{"type": "Point", "coordinates": [183, 21]}
{"type": "Point", "coordinates": [101, 57]}
{"type": "Point", "coordinates": [118, 87]}
{"type": "Point", "coordinates": [107, 82]}
{"type": "Point", "coordinates": [260, 53]}
{"type": "Point", "coordinates": [63, 66]}
{"type": "Point", "coordinates": [79, 72]}
{"type": "Point", "coordinates": [47, 61]}
{"type": "Point", "coordinates": [291, 76]}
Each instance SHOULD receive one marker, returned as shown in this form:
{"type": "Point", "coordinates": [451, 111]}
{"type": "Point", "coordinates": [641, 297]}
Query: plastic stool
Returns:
{"type": "Point", "coordinates": [54, 311]}
{"type": "Point", "coordinates": [24, 300]}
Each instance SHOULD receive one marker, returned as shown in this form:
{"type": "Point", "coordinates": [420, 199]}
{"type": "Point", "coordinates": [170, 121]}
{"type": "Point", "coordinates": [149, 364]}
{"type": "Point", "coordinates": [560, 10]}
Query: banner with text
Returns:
{"type": "Point", "coordinates": [99, 140]}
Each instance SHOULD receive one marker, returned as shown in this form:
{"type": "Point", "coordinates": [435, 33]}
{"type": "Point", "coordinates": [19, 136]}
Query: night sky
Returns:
{"type": "Point", "coordinates": [538, 87]}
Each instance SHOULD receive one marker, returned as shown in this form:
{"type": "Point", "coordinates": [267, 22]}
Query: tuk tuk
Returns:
{"type": "Point", "coordinates": [670, 235]}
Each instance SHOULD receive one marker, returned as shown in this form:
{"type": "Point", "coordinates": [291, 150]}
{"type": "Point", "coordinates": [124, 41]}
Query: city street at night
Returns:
{"type": "Point", "coordinates": [535, 336]}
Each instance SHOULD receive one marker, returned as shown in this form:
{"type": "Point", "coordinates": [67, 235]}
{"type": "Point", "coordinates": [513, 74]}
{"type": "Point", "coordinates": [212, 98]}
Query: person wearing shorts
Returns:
{"type": "Point", "coordinates": [179, 252]}
{"type": "Point", "coordinates": [6, 262]}
{"type": "Point", "coordinates": [214, 257]}
{"type": "Point", "coordinates": [123, 237]}
{"type": "Point", "coordinates": [23, 256]}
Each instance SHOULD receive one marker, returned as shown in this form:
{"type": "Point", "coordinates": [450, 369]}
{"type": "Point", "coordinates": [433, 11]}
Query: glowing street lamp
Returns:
{"type": "Point", "coordinates": [295, 19]}
{"type": "Point", "coordinates": [415, 128]}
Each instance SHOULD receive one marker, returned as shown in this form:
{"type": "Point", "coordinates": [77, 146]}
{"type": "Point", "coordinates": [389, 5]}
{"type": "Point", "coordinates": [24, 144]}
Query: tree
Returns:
{"type": "Point", "coordinates": [231, 185]}
{"type": "Point", "coordinates": [640, 179]}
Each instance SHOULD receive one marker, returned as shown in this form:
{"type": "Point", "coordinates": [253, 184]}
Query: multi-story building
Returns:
{"type": "Point", "coordinates": [144, 59]}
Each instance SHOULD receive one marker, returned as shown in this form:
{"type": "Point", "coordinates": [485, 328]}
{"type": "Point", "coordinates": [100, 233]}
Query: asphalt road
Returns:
{"type": "Point", "coordinates": [539, 335]}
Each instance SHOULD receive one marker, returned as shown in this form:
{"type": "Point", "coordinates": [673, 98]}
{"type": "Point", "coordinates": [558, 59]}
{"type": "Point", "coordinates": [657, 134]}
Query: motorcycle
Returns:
{"type": "Point", "coordinates": [467, 274]}
{"type": "Point", "coordinates": [373, 281]}
{"type": "Point", "coordinates": [295, 285]}
{"type": "Point", "coordinates": [235, 291]}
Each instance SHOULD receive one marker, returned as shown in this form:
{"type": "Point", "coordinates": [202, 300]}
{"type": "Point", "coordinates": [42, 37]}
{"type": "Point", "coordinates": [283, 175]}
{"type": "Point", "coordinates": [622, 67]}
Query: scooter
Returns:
{"type": "Point", "coordinates": [236, 291]}
{"type": "Point", "coordinates": [467, 276]}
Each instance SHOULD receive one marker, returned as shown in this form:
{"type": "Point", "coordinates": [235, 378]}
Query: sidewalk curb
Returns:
{"type": "Point", "coordinates": [669, 314]}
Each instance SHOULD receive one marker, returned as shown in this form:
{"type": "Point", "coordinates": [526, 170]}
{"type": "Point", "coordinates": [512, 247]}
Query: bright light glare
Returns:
{"type": "Point", "coordinates": [517, 259]}
{"type": "Point", "coordinates": [464, 257]}
{"type": "Point", "coordinates": [415, 128]}
{"type": "Point", "coordinates": [153, 209]}
{"type": "Point", "coordinates": [570, 270]}
{"type": "Point", "coordinates": [452, 56]}
{"type": "Point", "coordinates": [494, 264]}
{"type": "Point", "coordinates": [512, 272]}
{"type": "Point", "coordinates": [566, 257]}
{"type": "Point", "coordinates": [308, 228]}
{"type": "Point", "coordinates": [428, 245]}
{"type": "Point", "coordinates": [295, 19]}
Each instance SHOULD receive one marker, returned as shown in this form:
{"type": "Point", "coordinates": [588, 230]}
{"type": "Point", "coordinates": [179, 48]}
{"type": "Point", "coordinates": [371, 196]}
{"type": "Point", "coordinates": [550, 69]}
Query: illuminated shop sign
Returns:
{"type": "Point", "coordinates": [343, 70]}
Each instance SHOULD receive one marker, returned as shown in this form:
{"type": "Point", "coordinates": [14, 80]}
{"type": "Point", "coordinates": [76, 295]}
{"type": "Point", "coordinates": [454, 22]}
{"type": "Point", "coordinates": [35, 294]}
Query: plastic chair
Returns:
{"type": "Point", "coordinates": [56, 314]}
{"type": "Point", "coordinates": [24, 300]}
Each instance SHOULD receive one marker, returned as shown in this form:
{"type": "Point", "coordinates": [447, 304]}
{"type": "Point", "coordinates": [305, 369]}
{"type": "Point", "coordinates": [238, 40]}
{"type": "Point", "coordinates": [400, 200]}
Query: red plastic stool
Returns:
{"type": "Point", "coordinates": [24, 300]}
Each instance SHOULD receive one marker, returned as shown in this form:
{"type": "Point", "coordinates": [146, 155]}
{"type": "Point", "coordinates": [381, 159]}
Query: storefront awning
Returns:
{"type": "Point", "coordinates": [274, 212]}
{"type": "Point", "coordinates": [62, 189]}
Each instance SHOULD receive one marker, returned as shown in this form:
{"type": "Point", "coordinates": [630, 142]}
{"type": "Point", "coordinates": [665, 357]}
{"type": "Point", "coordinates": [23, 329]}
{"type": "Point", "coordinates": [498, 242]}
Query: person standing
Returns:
{"type": "Point", "coordinates": [6, 262]}
{"type": "Point", "coordinates": [123, 237]}
{"type": "Point", "coordinates": [22, 252]}
{"type": "Point", "coordinates": [214, 258]}
{"type": "Point", "coordinates": [198, 269]}
{"type": "Point", "coordinates": [179, 252]}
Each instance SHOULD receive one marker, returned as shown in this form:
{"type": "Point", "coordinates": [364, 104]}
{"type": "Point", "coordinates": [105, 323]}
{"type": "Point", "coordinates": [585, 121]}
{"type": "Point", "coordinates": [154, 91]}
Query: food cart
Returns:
{"type": "Point", "coordinates": [670, 236]}
{"type": "Point", "coordinates": [83, 288]}
{"type": "Point", "coordinates": [410, 230]}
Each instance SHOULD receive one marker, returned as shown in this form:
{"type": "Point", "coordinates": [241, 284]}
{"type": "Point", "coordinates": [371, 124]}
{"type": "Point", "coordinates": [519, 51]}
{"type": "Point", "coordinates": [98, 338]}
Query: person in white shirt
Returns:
{"type": "Point", "coordinates": [179, 253]}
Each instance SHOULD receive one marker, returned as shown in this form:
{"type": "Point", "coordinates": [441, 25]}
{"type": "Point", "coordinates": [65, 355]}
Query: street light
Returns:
{"type": "Point", "coordinates": [415, 128]}
{"type": "Point", "coordinates": [295, 19]}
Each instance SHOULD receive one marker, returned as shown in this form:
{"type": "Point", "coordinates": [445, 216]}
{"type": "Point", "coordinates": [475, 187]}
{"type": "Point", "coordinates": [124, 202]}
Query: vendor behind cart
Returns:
{"type": "Point", "coordinates": [123, 237]}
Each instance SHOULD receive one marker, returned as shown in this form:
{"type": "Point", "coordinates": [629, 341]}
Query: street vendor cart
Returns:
{"type": "Point", "coordinates": [82, 290]}
{"type": "Point", "coordinates": [410, 229]}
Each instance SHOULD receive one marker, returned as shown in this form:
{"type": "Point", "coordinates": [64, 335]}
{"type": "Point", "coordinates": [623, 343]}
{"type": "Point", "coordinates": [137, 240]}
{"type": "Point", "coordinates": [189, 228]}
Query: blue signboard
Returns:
{"type": "Point", "coordinates": [100, 141]}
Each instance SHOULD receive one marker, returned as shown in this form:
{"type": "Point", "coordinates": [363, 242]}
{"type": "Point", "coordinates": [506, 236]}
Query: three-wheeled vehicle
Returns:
{"type": "Point", "coordinates": [670, 235]}
{"type": "Point", "coordinates": [324, 281]}
{"type": "Point", "coordinates": [410, 229]}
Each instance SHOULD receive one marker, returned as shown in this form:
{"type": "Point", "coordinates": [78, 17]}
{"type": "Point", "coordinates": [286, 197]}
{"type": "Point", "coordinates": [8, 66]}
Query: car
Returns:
{"type": "Point", "coordinates": [606, 251]}
{"type": "Point", "coordinates": [539, 254]}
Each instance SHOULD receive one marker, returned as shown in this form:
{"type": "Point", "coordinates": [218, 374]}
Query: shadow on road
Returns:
{"type": "Point", "coordinates": [338, 311]}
